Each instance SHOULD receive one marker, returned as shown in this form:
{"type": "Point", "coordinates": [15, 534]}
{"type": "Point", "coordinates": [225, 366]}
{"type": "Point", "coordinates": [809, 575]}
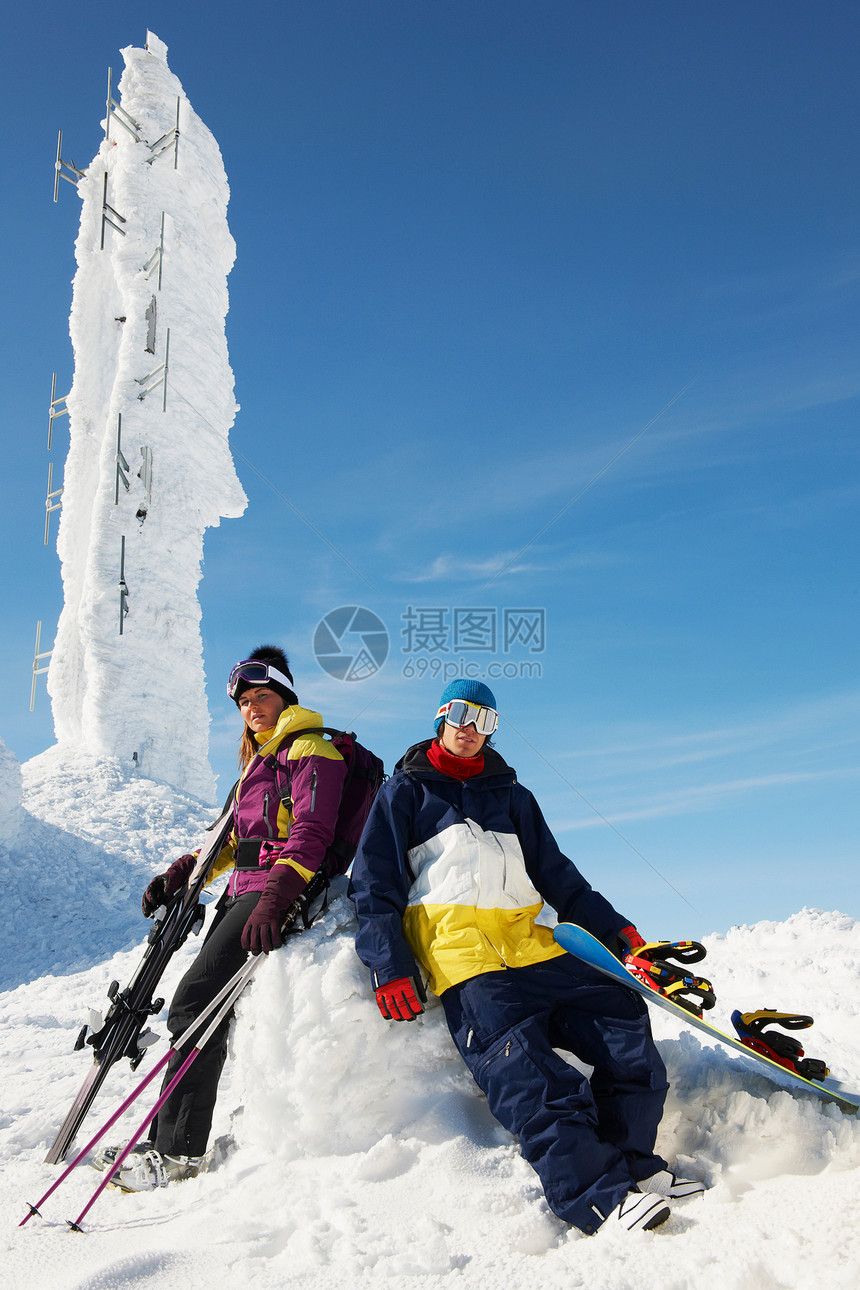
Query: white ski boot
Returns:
{"type": "Point", "coordinates": [145, 1168]}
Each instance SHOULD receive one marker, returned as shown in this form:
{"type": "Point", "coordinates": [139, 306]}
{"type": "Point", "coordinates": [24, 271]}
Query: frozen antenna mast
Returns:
{"type": "Point", "coordinates": [149, 466]}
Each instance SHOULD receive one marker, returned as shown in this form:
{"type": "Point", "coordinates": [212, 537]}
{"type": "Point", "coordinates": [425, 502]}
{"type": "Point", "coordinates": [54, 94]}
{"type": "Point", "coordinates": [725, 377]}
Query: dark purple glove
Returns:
{"type": "Point", "coordinates": [262, 932]}
{"type": "Point", "coordinates": [167, 884]}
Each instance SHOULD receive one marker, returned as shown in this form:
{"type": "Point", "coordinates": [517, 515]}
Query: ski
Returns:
{"type": "Point", "coordinates": [120, 1033]}
{"type": "Point", "coordinates": [312, 902]}
{"type": "Point", "coordinates": [221, 1008]}
{"type": "Point", "coordinates": [588, 950]}
{"type": "Point", "coordinates": [139, 1089]}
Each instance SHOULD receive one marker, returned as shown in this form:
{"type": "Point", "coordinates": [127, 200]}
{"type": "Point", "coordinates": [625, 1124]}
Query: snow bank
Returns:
{"type": "Point", "coordinates": [90, 836]}
{"type": "Point", "coordinates": [329, 1091]}
{"type": "Point", "coordinates": [139, 696]}
{"type": "Point", "coordinates": [349, 1151]}
{"type": "Point", "coordinates": [11, 789]}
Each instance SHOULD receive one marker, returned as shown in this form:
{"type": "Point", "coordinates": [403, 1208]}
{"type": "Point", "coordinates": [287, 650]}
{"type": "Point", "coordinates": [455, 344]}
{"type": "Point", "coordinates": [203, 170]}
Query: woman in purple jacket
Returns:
{"type": "Point", "coordinates": [285, 809]}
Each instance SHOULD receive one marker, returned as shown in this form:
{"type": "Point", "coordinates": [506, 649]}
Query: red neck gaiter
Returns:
{"type": "Point", "coordinates": [449, 764]}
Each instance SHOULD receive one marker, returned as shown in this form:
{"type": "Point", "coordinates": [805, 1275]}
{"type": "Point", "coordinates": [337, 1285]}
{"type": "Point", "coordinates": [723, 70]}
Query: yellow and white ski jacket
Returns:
{"type": "Point", "coordinates": [453, 873]}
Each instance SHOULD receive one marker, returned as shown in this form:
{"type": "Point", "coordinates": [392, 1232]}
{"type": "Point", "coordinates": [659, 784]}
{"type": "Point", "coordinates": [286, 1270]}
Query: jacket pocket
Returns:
{"type": "Point", "coordinates": [522, 1076]}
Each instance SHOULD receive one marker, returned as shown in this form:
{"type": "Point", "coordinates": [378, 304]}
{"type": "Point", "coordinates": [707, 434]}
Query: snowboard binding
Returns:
{"type": "Point", "coordinates": [652, 964]}
{"type": "Point", "coordinates": [785, 1050]}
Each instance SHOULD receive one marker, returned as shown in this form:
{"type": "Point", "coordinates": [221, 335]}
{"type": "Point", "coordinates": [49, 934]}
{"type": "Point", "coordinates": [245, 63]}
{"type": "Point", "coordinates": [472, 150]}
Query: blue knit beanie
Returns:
{"type": "Point", "coordinates": [471, 691]}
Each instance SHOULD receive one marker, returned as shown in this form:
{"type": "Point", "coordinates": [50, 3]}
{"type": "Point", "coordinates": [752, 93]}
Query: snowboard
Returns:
{"type": "Point", "coordinates": [584, 947]}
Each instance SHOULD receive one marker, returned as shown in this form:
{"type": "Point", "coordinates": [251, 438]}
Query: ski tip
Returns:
{"type": "Point", "coordinates": [27, 1217]}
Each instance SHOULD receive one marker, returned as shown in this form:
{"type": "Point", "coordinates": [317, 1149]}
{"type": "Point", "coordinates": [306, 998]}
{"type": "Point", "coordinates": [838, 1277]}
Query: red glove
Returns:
{"type": "Point", "coordinates": [401, 1000]}
{"type": "Point", "coordinates": [627, 942]}
{"type": "Point", "coordinates": [167, 884]}
{"type": "Point", "coordinates": [262, 932]}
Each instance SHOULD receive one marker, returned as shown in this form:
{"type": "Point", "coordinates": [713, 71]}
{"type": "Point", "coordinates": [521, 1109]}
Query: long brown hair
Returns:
{"type": "Point", "coordinates": [248, 747]}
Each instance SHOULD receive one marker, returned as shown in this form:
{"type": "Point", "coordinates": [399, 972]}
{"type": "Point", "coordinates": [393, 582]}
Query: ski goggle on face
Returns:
{"type": "Point", "coordinates": [459, 713]}
{"type": "Point", "coordinates": [255, 671]}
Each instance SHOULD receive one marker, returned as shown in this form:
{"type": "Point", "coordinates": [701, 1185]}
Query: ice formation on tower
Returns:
{"type": "Point", "coordinates": [153, 252]}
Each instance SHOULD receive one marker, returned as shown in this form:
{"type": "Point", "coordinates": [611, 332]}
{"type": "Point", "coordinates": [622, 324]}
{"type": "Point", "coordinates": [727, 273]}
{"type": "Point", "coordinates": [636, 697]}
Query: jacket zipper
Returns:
{"type": "Point", "coordinates": [266, 815]}
{"type": "Point", "coordinates": [313, 788]}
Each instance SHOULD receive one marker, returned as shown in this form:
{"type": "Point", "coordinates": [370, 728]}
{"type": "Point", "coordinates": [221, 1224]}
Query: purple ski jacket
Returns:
{"type": "Point", "coordinates": [305, 769]}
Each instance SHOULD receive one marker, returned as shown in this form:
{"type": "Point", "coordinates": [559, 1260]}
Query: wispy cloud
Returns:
{"type": "Point", "coordinates": [644, 772]}
{"type": "Point", "coordinates": [804, 728]}
{"type": "Point", "coordinates": [710, 796]}
{"type": "Point", "coordinates": [796, 292]}
{"type": "Point", "coordinates": [730, 420]}
{"type": "Point", "coordinates": [605, 468]}
{"type": "Point", "coordinates": [454, 568]}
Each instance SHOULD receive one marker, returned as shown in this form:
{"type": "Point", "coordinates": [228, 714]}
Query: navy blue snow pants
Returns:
{"type": "Point", "coordinates": [588, 1142]}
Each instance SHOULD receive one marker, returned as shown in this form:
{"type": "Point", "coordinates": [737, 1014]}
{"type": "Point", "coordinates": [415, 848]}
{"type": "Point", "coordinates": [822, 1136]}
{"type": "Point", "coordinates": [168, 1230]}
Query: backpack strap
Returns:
{"type": "Point", "coordinates": [361, 765]}
{"type": "Point", "coordinates": [338, 846]}
{"type": "Point", "coordinates": [286, 794]}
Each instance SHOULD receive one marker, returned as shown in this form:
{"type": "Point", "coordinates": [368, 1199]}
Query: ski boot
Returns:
{"type": "Point", "coordinates": [145, 1168]}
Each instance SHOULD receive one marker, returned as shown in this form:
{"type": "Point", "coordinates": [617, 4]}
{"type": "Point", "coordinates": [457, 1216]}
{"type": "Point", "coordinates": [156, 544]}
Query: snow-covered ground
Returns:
{"type": "Point", "coordinates": [351, 1151]}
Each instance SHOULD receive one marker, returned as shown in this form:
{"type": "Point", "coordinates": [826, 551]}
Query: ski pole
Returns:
{"type": "Point", "coordinates": [124, 1019]}
{"type": "Point", "coordinates": [244, 976]}
{"type": "Point", "coordinates": [139, 1088]}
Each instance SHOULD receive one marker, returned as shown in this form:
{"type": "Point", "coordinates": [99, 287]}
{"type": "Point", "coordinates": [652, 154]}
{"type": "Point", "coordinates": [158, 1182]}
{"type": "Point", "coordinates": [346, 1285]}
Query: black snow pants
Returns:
{"type": "Point", "coordinates": [183, 1123]}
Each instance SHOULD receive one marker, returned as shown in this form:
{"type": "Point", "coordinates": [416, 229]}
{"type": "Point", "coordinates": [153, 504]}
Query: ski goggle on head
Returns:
{"type": "Point", "coordinates": [460, 712]}
{"type": "Point", "coordinates": [255, 671]}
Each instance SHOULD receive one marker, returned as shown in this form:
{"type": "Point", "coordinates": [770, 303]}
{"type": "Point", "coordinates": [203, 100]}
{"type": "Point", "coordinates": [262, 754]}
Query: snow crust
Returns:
{"type": "Point", "coordinates": [349, 1151]}
{"type": "Point", "coordinates": [140, 696]}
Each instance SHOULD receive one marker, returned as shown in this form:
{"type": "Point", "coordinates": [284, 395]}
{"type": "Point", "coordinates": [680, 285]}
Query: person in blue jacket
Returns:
{"type": "Point", "coordinates": [454, 866]}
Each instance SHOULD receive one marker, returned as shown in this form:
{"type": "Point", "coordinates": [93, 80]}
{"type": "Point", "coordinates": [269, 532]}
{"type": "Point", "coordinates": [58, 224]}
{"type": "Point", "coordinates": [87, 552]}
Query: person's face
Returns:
{"type": "Point", "coordinates": [260, 708]}
{"type": "Point", "coordinates": [462, 741]}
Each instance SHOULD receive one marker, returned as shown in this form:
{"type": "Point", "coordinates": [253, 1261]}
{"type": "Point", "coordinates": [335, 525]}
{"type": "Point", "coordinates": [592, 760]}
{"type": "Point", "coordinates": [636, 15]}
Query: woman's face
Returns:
{"type": "Point", "coordinates": [260, 707]}
{"type": "Point", "coordinates": [462, 741]}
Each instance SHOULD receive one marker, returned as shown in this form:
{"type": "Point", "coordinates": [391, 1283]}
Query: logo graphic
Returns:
{"type": "Point", "coordinates": [351, 643]}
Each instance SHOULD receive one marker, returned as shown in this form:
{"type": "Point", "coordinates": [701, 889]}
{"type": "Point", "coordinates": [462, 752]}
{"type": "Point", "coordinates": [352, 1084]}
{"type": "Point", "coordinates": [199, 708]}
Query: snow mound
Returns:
{"type": "Point", "coordinates": [392, 1162]}
{"type": "Point", "coordinates": [350, 1151]}
{"type": "Point", "coordinates": [304, 1060]}
{"type": "Point", "coordinates": [90, 836]}
{"type": "Point", "coordinates": [11, 792]}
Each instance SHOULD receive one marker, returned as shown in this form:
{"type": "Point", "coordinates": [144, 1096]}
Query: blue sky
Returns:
{"type": "Point", "coordinates": [481, 247]}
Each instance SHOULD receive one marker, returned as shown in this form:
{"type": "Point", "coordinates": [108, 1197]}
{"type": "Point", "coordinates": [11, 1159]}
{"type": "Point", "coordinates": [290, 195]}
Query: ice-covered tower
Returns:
{"type": "Point", "coordinates": [149, 466]}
